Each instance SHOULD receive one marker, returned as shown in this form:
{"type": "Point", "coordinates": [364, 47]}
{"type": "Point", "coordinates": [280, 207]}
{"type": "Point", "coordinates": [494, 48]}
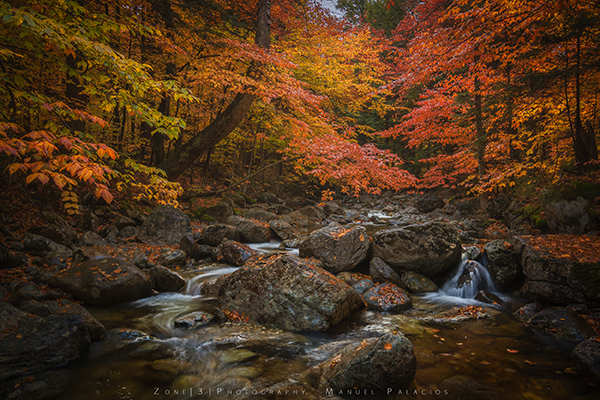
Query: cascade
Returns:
{"type": "Point", "coordinates": [469, 278]}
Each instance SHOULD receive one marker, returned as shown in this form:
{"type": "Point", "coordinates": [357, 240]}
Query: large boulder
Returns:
{"type": "Point", "coordinates": [103, 282]}
{"type": "Point", "coordinates": [251, 231]}
{"type": "Point", "coordinates": [340, 249]}
{"type": "Point", "coordinates": [259, 214]}
{"type": "Point", "coordinates": [586, 356]}
{"type": "Point", "coordinates": [165, 280]}
{"type": "Point", "coordinates": [557, 279]}
{"type": "Point", "coordinates": [429, 202]}
{"type": "Point", "coordinates": [502, 262]}
{"type": "Point", "coordinates": [283, 229]}
{"type": "Point", "coordinates": [428, 249]}
{"type": "Point", "coordinates": [165, 225]}
{"type": "Point", "coordinates": [381, 272]}
{"type": "Point", "coordinates": [568, 216]}
{"type": "Point", "coordinates": [29, 344]}
{"type": "Point", "coordinates": [418, 283]}
{"type": "Point", "coordinates": [289, 293]}
{"type": "Point", "coordinates": [374, 363]}
{"type": "Point", "coordinates": [213, 235]}
{"type": "Point", "coordinates": [236, 253]}
{"type": "Point", "coordinates": [41, 246]}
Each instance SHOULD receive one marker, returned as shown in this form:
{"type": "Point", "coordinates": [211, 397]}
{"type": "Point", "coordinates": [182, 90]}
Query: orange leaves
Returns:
{"type": "Point", "coordinates": [387, 346]}
{"type": "Point", "coordinates": [583, 249]}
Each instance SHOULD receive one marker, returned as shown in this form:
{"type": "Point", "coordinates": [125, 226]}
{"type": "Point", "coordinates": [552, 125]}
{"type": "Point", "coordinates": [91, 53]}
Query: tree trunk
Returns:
{"type": "Point", "coordinates": [481, 139]}
{"type": "Point", "coordinates": [228, 119]}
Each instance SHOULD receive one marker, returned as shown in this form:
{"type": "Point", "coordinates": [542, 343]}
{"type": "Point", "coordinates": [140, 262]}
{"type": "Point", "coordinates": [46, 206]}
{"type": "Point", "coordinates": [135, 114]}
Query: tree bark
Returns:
{"type": "Point", "coordinates": [227, 120]}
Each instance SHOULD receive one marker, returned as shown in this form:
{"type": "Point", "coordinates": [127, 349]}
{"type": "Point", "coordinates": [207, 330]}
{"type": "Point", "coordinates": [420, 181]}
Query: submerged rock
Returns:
{"type": "Point", "coordinates": [340, 249]}
{"type": "Point", "coordinates": [586, 356]}
{"type": "Point", "coordinates": [562, 324]}
{"type": "Point", "coordinates": [288, 292]}
{"type": "Point", "coordinates": [428, 249]}
{"type": "Point", "coordinates": [374, 363]}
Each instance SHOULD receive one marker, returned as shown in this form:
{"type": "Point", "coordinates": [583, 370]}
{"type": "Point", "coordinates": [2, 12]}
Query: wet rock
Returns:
{"type": "Point", "coordinates": [314, 213]}
{"type": "Point", "coordinates": [39, 343]}
{"type": "Point", "coordinates": [284, 230]}
{"type": "Point", "coordinates": [213, 235]}
{"type": "Point", "coordinates": [466, 278]}
{"type": "Point", "coordinates": [488, 297]}
{"type": "Point", "coordinates": [503, 263]}
{"type": "Point", "coordinates": [165, 280]}
{"type": "Point", "coordinates": [374, 363]}
{"type": "Point", "coordinates": [259, 214]}
{"type": "Point", "coordinates": [418, 283]}
{"type": "Point", "coordinates": [559, 280]}
{"type": "Point", "coordinates": [94, 327]}
{"type": "Point", "coordinates": [42, 385]}
{"type": "Point", "coordinates": [172, 257]}
{"type": "Point", "coordinates": [103, 282]}
{"type": "Point", "coordinates": [41, 246]}
{"type": "Point", "coordinates": [193, 320]}
{"type": "Point", "coordinates": [586, 356]}
{"type": "Point", "coordinates": [56, 229]}
{"type": "Point", "coordinates": [90, 238]}
{"type": "Point", "coordinates": [192, 249]}
{"type": "Point", "coordinates": [428, 249]}
{"type": "Point", "coordinates": [236, 253]}
{"type": "Point", "coordinates": [29, 292]}
{"type": "Point", "coordinates": [122, 222]}
{"type": "Point", "coordinates": [461, 387]}
{"type": "Point", "coordinates": [350, 278]}
{"type": "Point", "coordinates": [250, 231]}
{"type": "Point", "coordinates": [43, 309]}
{"type": "Point", "coordinates": [288, 292]}
{"type": "Point", "coordinates": [331, 207]}
{"type": "Point", "coordinates": [562, 324]}
{"type": "Point", "coordinates": [362, 286]}
{"type": "Point", "coordinates": [165, 225]}
{"type": "Point", "coordinates": [457, 315]}
{"type": "Point", "coordinates": [128, 232]}
{"type": "Point", "coordinates": [110, 233]}
{"type": "Point", "coordinates": [387, 297]}
{"type": "Point", "coordinates": [381, 272]}
{"type": "Point", "coordinates": [340, 249]}
{"type": "Point", "coordinates": [497, 206]}
{"type": "Point", "coordinates": [528, 311]}
{"type": "Point", "coordinates": [238, 199]}
{"type": "Point", "coordinates": [429, 202]}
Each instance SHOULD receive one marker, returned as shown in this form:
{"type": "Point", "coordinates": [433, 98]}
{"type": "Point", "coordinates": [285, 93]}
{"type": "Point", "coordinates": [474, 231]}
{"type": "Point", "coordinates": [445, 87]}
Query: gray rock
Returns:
{"type": "Point", "coordinates": [429, 202]}
{"type": "Point", "coordinates": [269, 198]}
{"type": "Point", "coordinates": [172, 257]}
{"type": "Point", "coordinates": [192, 249]}
{"type": "Point", "coordinates": [250, 231]}
{"type": "Point", "coordinates": [488, 297]}
{"type": "Point", "coordinates": [288, 292]}
{"type": "Point", "coordinates": [94, 327]}
{"type": "Point", "coordinates": [236, 253]}
{"type": "Point", "coordinates": [387, 297]}
{"type": "Point", "coordinates": [568, 216]}
{"type": "Point", "coordinates": [222, 210]}
{"type": "Point", "coordinates": [503, 262]}
{"type": "Point", "coordinates": [90, 238]}
{"type": "Point", "coordinates": [497, 206]}
{"type": "Point", "coordinates": [428, 249]}
{"type": "Point", "coordinates": [586, 356]}
{"type": "Point", "coordinates": [110, 233]}
{"type": "Point", "coordinates": [339, 248]}
{"type": "Point", "coordinates": [56, 229]}
{"type": "Point", "coordinates": [43, 309]}
{"type": "Point", "coordinates": [193, 320]}
{"type": "Point", "coordinates": [374, 363]}
{"type": "Point", "coordinates": [213, 235]}
{"type": "Point", "coordinates": [122, 221]}
{"type": "Point", "coordinates": [25, 293]}
{"type": "Point", "coordinates": [104, 282]}
{"type": "Point", "coordinates": [284, 230]}
{"type": "Point", "coordinates": [166, 280]}
{"type": "Point", "coordinates": [88, 221]}
{"type": "Point", "coordinates": [237, 199]}
{"type": "Point", "coordinates": [381, 272]}
{"type": "Point", "coordinates": [128, 232]}
{"type": "Point", "coordinates": [41, 343]}
{"type": "Point", "coordinates": [165, 225]}
{"type": "Point", "coordinates": [418, 283]}
{"type": "Point", "coordinates": [259, 214]}
{"type": "Point", "coordinates": [41, 246]}
{"type": "Point", "coordinates": [362, 286]}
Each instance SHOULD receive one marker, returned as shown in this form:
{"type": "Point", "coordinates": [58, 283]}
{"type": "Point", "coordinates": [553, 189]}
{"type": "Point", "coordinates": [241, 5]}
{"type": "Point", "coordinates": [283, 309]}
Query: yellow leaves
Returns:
{"type": "Point", "coordinates": [70, 202]}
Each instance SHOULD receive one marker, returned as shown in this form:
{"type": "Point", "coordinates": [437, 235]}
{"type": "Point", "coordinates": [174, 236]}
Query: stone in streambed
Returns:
{"type": "Point", "coordinates": [387, 297]}
{"type": "Point", "coordinates": [288, 292]}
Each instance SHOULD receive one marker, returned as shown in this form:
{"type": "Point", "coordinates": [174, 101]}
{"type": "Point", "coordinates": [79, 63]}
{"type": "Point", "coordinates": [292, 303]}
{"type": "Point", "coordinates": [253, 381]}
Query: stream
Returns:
{"type": "Point", "coordinates": [226, 360]}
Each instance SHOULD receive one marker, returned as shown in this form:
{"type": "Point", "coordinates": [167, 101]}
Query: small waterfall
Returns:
{"type": "Point", "coordinates": [469, 278]}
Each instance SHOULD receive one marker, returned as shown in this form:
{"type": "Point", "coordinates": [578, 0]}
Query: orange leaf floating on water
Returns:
{"type": "Point", "coordinates": [530, 362]}
{"type": "Point", "coordinates": [116, 271]}
{"type": "Point", "coordinates": [512, 351]}
{"type": "Point", "coordinates": [387, 346]}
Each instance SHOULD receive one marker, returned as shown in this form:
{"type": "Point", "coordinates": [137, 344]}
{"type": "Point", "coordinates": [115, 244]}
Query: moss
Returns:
{"type": "Point", "coordinates": [541, 224]}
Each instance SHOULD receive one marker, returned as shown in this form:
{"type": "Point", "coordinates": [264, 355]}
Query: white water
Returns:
{"type": "Point", "coordinates": [480, 279]}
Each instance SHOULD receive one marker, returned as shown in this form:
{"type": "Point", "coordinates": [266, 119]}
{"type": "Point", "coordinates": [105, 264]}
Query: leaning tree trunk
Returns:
{"type": "Point", "coordinates": [228, 119]}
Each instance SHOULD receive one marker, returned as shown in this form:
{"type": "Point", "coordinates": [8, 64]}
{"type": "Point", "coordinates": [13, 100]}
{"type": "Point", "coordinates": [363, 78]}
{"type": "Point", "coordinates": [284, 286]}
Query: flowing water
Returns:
{"type": "Point", "coordinates": [230, 359]}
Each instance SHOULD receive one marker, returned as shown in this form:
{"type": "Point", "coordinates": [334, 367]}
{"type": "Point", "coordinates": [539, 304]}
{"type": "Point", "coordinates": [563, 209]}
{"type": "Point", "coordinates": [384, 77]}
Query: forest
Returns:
{"type": "Point", "coordinates": [308, 199]}
{"type": "Point", "coordinates": [144, 97]}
